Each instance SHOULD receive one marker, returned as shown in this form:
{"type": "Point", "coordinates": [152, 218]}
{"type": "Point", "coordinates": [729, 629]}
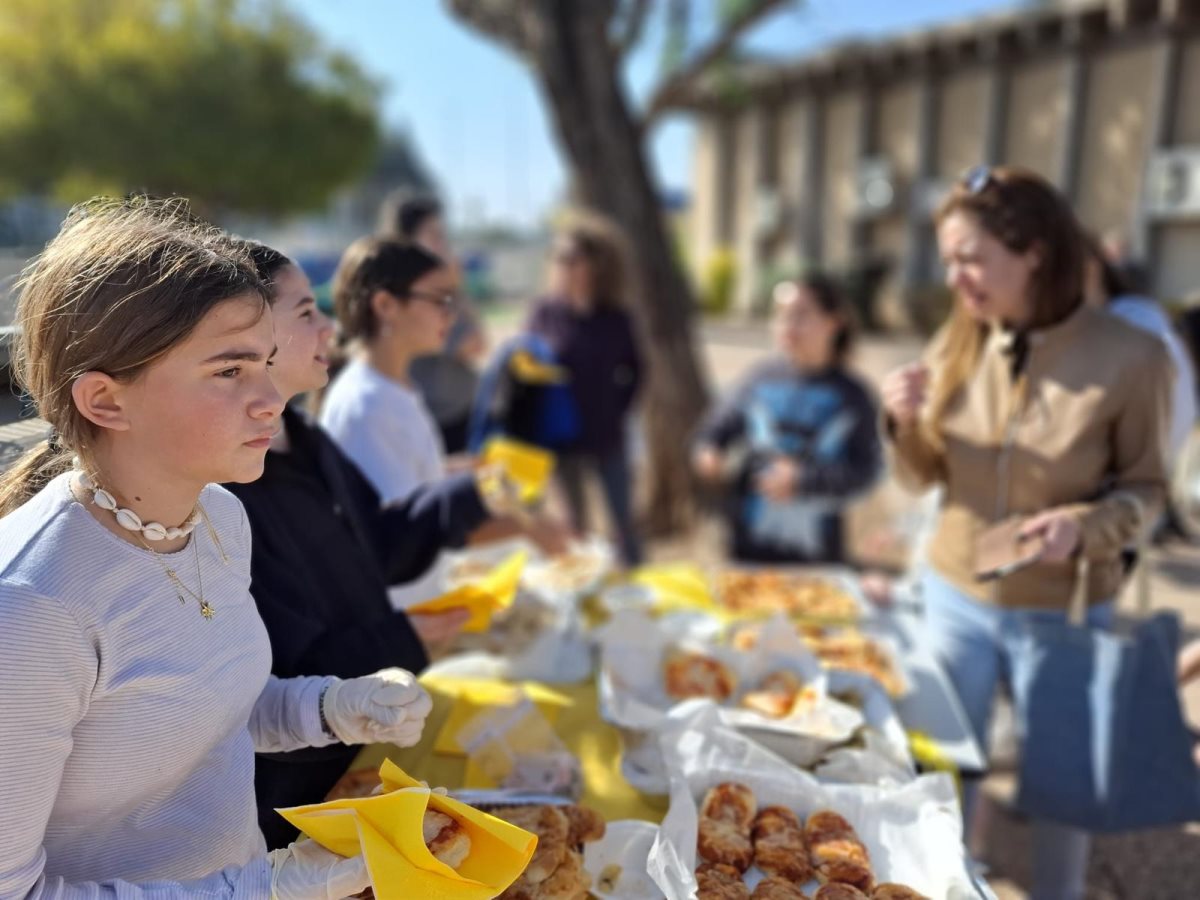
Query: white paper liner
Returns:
{"type": "Point", "coordinates": [912, 831]}
{"type": "Point", "coordinates": [626, 844]}
{"type": "Point", "coordinates": [633, 697]}
{"type": "Point", "coordinates": [592, 560]}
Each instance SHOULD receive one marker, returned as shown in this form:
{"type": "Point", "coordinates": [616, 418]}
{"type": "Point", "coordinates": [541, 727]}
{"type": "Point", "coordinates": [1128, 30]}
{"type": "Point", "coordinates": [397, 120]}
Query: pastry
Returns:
{"type": "Point", "coordinates": [836, 852]}
{"type": "Point", "coordinates": [586, 825]}
{"type": "Point", "coordinates": [731, 802]}
{"type": "Point", "coordinates": [687, 675]}
{"type": "Point", "coordinates": [552, 828]}
{"type": "Point", "coordinates": [569, 881]}
{"type": "Point", "coordinates": [848, 872]}
{"type": "Point", "coordinates": [719, 841]}
{"type": "Point", "coordinates": [775, 695]}
{"type": "Point", "coordinates": [839, 892]}
{"type": "Point", "coordinates": [718, 882]}
{"type": "Point", "coordinates": [446, 838]}
{"type": "Point", "coordinates": [779, 846]}
{"type": "Point", "coordinates": [772, 888]}
{"type": "Point", "coordinates": [895, 892]}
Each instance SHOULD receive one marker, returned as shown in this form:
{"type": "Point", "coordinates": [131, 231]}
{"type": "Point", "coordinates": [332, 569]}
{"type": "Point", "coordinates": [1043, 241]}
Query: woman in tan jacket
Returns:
{"type": "Point", "coordinates": [1029, 408]}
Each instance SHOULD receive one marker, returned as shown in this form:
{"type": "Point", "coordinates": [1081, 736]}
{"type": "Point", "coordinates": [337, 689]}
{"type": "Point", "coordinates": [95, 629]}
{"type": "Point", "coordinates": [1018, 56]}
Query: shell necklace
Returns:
{"type": "Point", "coordinates": [153, 531]}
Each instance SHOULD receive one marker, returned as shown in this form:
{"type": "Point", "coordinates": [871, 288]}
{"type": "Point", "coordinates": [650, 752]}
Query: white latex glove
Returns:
{"type": "Point", "coordinates": [307, 871]}
{"type": "Point", "coordinates": [387, 707]}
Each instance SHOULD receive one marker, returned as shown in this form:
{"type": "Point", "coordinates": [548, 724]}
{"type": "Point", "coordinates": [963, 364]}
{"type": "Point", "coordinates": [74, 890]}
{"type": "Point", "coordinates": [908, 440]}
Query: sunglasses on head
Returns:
{"type": "Point", "coordinates": [977, 178]}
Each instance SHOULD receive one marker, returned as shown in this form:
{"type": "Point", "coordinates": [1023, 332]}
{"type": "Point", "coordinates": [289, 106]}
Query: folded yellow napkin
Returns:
{"type": "Point", "coordinates": [529, 466]}
{"type": "Point", "coordinates": [494, 592]}
{"type": "Point", "coordinates": [530, 370]}
{"type": "Point", "coordinates": [677, 586]}
{"type": "Point", "coordinates": [386, 829]}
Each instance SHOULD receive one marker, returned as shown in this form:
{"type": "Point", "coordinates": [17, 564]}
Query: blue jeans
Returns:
{"type": "Point", "coordinates": [980, 646]}
{"type": "Point", "coordinates": [616, 482]}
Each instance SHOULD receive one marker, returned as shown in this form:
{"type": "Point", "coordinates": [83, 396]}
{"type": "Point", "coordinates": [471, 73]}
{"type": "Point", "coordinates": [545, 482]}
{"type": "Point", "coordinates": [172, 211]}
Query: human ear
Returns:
{"type": "Point", "coordinates": [100, 399]}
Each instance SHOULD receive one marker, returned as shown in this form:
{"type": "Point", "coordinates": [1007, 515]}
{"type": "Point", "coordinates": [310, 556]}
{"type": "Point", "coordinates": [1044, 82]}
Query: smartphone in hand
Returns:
{"type": "Point", "coordinates": [1001, 549]}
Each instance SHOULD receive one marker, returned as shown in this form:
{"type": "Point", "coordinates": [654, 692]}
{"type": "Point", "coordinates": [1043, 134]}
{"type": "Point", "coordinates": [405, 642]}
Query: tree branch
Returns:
{"type": "Point", "coordinates": [675, 86]}
{"type": "Point", "coordinates": [632, 27]}
{"type": "Point", "coordinates": [505, 21]}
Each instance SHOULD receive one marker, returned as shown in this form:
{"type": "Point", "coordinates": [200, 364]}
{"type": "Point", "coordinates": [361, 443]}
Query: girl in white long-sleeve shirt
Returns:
{"type": "Point", "coordinates": [134, 669]}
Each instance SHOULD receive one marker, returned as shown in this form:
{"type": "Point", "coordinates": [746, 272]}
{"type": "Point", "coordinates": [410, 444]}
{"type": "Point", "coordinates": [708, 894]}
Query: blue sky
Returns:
{"type": "Point", "coordinates": [473, 109]}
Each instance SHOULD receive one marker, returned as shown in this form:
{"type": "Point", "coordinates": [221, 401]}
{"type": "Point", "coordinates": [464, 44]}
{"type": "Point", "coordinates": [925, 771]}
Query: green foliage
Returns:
{"type": "Point", "coordinates": [720, 275]}
{"type": "Point", "coordinates": [233, 103]}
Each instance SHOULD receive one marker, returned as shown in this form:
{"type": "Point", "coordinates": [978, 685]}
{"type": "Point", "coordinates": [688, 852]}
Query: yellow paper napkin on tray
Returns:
{"type": "Point", "coordinates": [677, 586]}
{"type": "Point", "coordinates": [528, 466]}
{"type": "Point", "coordinates": [386, 829]}
{"type": "Point", "coordinates": [494, 592]}
{"type": "Point", "coordinates": [482, 695]}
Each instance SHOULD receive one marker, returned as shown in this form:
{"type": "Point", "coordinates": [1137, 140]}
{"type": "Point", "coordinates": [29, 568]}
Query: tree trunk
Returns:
{"type": "Point", "coordinates": [580, 79]}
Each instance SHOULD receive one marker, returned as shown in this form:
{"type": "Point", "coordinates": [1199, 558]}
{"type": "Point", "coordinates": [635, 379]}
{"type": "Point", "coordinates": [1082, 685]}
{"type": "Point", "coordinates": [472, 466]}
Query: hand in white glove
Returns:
{"type": "Point", "coordinates": [307, 871]}
{"type": "Point", "coordinates": [387, 707]}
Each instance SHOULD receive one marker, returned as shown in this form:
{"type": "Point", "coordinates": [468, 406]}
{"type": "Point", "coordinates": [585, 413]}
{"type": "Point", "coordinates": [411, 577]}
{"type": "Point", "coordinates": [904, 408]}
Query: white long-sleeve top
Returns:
{"type": "Point", "coordinates": [128, 723]}
{"type": "Point", "coordinates": [386, 430]}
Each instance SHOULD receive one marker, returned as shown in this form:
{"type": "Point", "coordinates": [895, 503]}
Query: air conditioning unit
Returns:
{"type": "Point", "coordinates": [768, 212]}
{"type": "Point", "coordinates": [876, 188]}
{"type": "Point", "coordinates": [1173, 184]}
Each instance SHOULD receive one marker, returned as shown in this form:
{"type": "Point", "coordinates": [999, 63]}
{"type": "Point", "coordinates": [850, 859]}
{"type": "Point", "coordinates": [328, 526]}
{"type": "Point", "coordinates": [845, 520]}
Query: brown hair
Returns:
{"type": "Point", "coordinates": [1024, 212]}
{"type": "Point", "coordinates": [374, 264]}
{"type": "Point", "coordinates": [831, 299]}
{"type": "Point", "coordinates": [600, 244]}
{"type": "Point", "coordinates": [120, 285]}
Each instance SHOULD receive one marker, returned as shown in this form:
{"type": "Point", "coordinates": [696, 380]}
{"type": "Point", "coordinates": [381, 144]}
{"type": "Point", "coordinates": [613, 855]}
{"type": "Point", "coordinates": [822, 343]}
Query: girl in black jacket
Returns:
{"type": "Point", "coordinates": [325, 551]}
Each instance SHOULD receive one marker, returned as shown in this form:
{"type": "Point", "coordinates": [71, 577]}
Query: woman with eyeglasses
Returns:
{"type": "Point", "coordinates": [395, 301]}
{"type": "Point", "coordinates": [584, 322]}
{"type": "Point", "coordinates": [1034, 409]}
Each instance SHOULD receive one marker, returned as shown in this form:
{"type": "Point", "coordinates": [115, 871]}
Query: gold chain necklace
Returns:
{"type": "Point", "coordinates": [206, 609]}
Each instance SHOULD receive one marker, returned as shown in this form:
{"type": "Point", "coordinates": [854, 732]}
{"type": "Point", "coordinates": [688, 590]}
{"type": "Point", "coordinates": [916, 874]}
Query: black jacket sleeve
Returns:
{"type": "Point", "coordinates": [305, 643]}
{"type": "Point", "coordinates": [405, 537]}
{"type": "Point", "coordinates": [856, 468]}
{"type": "Point", "coordinates": [408, 535]}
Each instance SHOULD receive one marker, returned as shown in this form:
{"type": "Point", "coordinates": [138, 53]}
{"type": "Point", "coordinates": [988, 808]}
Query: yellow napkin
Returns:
{"type": "Point", "coordinates": [928, 753]}
{"type": "Point", "coordinates": [530, 370]}
{"type": "Point", "coordinates": [530, 467]}
{"type": "Point", "coordinates": [482, 695]}
{"type": "Point", "coordinates": [387, 830]}
{"type": "Point", "coordinates": [678, 586]}
{"type": "Point", "coordinates": [494, 592]}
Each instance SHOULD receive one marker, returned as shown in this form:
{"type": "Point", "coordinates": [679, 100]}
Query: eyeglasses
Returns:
{"type": "Point", "coordinates": [447, 304]}
{"type": "Point", "coordinates": [977, 178]}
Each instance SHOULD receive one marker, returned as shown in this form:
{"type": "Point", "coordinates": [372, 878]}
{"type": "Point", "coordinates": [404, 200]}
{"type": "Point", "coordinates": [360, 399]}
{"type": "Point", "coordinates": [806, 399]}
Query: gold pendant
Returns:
{"type": "Point", "coordinates": [206, 610]}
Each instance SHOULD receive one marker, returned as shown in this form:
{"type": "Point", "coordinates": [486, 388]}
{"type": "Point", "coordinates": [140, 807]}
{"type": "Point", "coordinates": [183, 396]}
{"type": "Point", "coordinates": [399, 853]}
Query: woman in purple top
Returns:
{"type": "Point", "coordinates": [584, 322]}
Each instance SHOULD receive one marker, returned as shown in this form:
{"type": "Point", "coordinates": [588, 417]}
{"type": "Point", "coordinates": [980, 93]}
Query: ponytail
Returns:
{"type": "Point", "coordinates": [32, 472]}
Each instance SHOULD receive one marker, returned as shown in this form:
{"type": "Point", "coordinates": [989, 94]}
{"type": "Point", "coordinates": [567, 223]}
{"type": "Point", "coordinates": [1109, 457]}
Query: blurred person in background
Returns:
{"type": "Point", "coordinates": [584, 322]}
{"type": "Point", "coordinates": [1029, 406]}
{"type": "Point", "coordinates": [797, 440]}
{"type": "Point", "coordinates": [448, 378]}
{"type": "Point", "coordinates": [1105, 287]}
{"type": "Point", "coordinates": [325, 549]}
{"type": "Point", "coordinates": [394, 302]}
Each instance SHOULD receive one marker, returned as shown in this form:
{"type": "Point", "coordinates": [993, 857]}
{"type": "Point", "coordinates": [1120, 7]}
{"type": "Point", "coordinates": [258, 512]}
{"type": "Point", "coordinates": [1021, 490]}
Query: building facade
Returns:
{"type": "Point", "coordinates": [841, 157]}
